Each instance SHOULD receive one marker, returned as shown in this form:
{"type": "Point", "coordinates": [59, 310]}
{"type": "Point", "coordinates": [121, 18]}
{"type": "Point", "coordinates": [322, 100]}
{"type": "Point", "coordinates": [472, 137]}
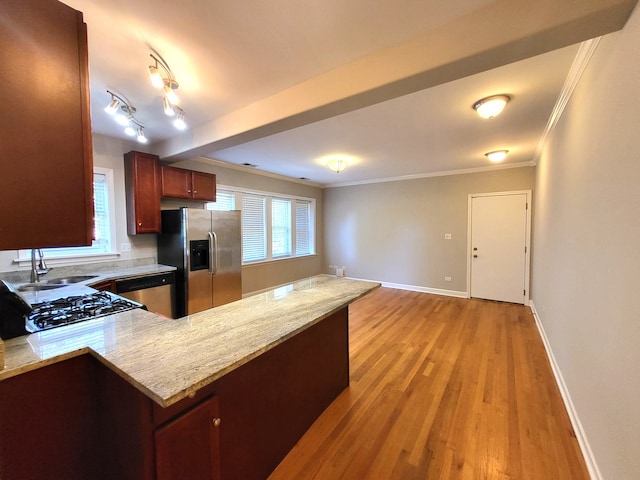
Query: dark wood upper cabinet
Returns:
{"type": "Point", "coordinates": [46, 163]}
{"type": "Point", "coordinates": [187, 184]}
{"type": "Point", "coordinates": [142, 186]}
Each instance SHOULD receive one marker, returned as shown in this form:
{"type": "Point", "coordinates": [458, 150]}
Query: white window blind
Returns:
{"type": "Point", "coordinates": [303, 227]}
{"type": "Point", "coordinates": [274, 226]}
{"type": "Point", "coordinates": [280, 227]}
{"type": "Point", "coordinates": [254, 228]}
{"type": "Point", "coordinates": [225, 201]}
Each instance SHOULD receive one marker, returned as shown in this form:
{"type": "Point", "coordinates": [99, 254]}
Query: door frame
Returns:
{"type": "Point", "coordinates": [527, 265]}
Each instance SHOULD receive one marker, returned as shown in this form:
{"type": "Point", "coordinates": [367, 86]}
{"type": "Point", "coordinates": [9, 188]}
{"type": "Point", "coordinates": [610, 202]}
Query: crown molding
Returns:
{"type": "Point", "coordinates": [580, 62]}
{"type": "Point", "coordinates": [446, 173]}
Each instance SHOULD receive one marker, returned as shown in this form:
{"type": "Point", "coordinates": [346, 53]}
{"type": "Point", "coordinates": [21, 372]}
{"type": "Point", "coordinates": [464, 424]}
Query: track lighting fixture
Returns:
{"type": "Point", "coordinates": [123, 113]}
{"type": "Point", "coordinates": [165, 81]}
{"type": "Point", "coordinates": [162, 77]}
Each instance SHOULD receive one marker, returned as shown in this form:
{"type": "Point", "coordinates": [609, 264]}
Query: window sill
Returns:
{"type": "Point", "coordinates": [71, 259]}
{"type": "Point", "coordinates": [276, 260]}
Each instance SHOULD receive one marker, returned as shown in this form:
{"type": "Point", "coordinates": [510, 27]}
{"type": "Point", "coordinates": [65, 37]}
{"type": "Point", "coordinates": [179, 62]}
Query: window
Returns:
{"type": "Point", "coordinates": [304, 238]}
{"type": "Point", "coordinates": [280, 227]}
{"type": "Point", "coordinates": [254, 228]}
{"type": "Point", "coordinates": [225, 201]}
{"type": "Point", "coordinates": [274, 226]}
{"type": "Point", "coordinates": [104, 222]}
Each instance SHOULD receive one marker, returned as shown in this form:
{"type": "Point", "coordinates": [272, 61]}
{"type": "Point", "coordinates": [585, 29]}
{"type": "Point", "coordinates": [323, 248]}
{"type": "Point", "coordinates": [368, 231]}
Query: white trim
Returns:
{"type": "Point", "coordinates": [580, 62]}
{"type": "Point", "coordinates": [416, 288]}
{"type": "Point", "coordinates": [527, 265]}
{"type": "Point", "coordinates": [445, 173]}
{"type": "Point", "coordinates": [587, 453]}
{"type": "Point", "coordinates": [71, 259]}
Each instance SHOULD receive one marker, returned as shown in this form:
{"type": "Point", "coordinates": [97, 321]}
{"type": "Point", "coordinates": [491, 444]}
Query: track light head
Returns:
{"type": "Point", "coordinates": [179, 122]}
{"type": "Point", "coordinates": [112, 108]}
{"type": "Point", "coordinates": [155, 76]}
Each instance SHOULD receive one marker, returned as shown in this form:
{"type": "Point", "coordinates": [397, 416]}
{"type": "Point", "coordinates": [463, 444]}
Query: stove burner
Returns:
{"type": "Point", "coordinates": [64, 311]}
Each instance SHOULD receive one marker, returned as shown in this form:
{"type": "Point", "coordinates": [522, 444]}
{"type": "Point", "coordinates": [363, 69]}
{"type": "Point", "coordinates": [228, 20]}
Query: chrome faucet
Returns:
{"type": "Point", "coordinates": [41, 269]}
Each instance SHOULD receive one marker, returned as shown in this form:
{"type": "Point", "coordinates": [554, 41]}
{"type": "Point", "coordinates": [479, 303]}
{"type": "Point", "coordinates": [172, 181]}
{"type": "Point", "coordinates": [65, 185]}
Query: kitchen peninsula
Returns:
{"type": "Point", "coordinates": [224, 393]}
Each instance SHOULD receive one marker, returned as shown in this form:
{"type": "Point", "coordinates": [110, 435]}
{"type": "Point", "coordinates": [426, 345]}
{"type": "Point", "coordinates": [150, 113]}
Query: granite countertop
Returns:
{"type": "Point", "coordinates": [169, 360]}
{"type": "Point", "coordinates": [99, 274]}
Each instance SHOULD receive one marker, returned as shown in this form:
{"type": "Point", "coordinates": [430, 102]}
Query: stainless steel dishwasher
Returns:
{"type": "Point", "coordinates": [155, 291]}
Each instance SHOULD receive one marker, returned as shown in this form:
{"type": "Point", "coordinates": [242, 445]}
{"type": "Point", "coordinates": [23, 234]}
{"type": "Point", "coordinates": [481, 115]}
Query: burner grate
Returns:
{"type": "Point", "coordinates": [64, 311]}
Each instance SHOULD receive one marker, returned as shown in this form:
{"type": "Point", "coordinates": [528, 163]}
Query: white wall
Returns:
{"type": "Point", "coordinates": [394, 231]}
{"type": "Point", "coordinates": [586, 262]}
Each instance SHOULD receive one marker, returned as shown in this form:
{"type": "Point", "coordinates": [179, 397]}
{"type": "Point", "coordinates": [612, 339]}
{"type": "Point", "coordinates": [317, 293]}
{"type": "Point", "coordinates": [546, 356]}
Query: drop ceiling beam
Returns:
{"type": "Point", "coordinates": [502, 32]}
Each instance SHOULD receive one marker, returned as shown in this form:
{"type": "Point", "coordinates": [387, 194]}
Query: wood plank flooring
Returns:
{"type": "Point", "coordinates": [441, 388]}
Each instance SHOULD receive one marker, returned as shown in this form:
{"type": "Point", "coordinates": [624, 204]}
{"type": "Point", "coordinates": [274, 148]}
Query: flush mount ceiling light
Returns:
{"type": "Point", "coordinates": [123, 113]}
{"type": "Point", "coordinates": [491, 107]}
{"type": "Point", "coordinates": [497, 155]}
{"type": "Point", "coordinates": [337, 164]}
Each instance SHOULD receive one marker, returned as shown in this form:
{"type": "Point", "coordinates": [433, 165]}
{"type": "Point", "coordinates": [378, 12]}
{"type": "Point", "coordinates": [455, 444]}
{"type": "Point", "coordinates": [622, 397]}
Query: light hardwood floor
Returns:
{"type": "Point", "coordinates": [441, 388]}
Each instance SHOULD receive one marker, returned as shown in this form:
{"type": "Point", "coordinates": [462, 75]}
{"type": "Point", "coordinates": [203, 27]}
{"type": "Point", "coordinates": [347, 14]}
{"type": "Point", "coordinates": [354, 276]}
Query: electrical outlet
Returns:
{"type": "Point", "coordinates": [447, 279]}
{"type": "Point", "coordinates": [447, 236]}
{"type": "Point", "coordinates": [125, 247]}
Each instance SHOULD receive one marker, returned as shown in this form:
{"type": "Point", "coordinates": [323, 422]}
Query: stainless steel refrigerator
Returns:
{"type": "Point", "coordinates": [205, 246]}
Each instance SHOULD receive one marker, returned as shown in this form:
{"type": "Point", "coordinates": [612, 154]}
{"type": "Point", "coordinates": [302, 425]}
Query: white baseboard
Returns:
{"type": "Point", "coordinates": [589, 458]}
{"type": "Point", "coordinates": [415, 288]}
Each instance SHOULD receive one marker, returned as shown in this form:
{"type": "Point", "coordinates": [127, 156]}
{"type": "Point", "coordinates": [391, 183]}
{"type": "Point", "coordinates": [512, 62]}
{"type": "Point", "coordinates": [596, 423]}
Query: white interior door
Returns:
{"type": "Point", "coordinates": [499, 247]}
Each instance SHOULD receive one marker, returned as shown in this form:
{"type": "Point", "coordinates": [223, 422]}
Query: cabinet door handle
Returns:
{"type": "Point", "coordinates": [216, 422]}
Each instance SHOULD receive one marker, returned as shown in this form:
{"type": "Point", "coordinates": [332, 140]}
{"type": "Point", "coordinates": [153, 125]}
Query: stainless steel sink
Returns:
{"type": "Point", "coordinates": [72, 279]}
{"type": "Point", "coordinates": [35, 287]}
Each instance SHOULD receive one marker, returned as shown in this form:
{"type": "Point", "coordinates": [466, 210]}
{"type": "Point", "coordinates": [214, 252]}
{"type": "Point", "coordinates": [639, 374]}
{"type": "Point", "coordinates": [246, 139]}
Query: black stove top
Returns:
{"type": "Point", "coordinates": [64, 311]}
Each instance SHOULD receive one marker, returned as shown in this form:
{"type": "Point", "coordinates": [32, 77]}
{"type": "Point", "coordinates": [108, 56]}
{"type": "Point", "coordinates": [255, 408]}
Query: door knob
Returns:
{"type": "Point", "coordinates": [216, 422]}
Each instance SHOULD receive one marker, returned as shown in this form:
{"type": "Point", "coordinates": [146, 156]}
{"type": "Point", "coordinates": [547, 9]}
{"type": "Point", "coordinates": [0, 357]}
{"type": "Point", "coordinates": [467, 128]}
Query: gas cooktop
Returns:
{"type": "Point", "coordinates": [67, 310]}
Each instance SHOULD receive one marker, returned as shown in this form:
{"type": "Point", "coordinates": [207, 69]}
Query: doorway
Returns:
{"type": "Point", "coordinates": [498, 246]}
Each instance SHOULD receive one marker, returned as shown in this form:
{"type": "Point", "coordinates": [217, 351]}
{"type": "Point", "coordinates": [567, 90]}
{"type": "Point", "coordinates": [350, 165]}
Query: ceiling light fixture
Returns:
{"type": "Point", "coordinates": [337, 163]}
{"type": "Point", "coordinates": [162, 77]}
{"type": "Point", "coordinates": [491, 107]}
{"type": "Point", "coordinates": [123, 113]}
{"type": "Point", "coordinates": [165, 81]}
{"type": "Point", "coordinates": [497, 155]}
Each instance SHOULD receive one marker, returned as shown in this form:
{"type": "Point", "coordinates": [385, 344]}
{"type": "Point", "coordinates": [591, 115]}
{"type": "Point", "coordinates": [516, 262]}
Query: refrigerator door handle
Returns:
{"type": "Point", "coordinates": [213, 253]}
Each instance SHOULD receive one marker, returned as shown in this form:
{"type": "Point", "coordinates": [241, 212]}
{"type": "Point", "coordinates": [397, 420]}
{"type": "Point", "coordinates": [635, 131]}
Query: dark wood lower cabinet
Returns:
{"type": "Point", "coordinates": [188, 447]}
{"type": "Point", "coordinates": [78, 419]}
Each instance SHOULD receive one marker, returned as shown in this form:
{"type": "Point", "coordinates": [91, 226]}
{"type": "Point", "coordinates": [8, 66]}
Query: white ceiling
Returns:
{"type": "Point", "coordinates": [228, 55]}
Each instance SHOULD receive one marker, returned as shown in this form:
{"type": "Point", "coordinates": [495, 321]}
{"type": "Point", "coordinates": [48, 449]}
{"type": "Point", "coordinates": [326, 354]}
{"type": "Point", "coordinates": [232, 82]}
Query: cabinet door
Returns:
{"type": "Point", "coordinates": [188, 447]}
{"type": "Point", "coordinates": [142, 185]}
{"type": "Point", "coordinates": [46, 164]}
{"type": "Point", "coordinates": [176, 182]}
{"type": "Point", "coordinates": [204, 186]}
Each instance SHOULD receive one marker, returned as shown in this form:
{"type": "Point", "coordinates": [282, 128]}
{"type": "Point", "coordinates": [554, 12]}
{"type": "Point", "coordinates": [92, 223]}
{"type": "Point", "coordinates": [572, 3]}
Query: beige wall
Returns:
{"type": "Point", "coordinates": [586, 263]}
{"type": "Point", "coordinates": [261, 276]}
{"type": "Point", "coordinates": [394, 232]}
